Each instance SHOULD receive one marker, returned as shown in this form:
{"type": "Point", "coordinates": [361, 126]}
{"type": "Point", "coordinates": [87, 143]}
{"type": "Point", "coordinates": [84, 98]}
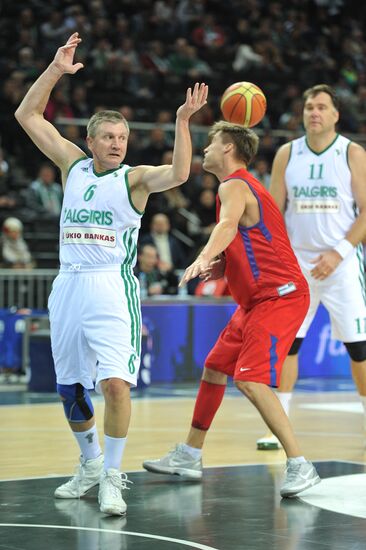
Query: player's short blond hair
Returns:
{"type": "Point", "coordinates": [245, 140]}
{"type": "Point", "coordinates": [104, 116]}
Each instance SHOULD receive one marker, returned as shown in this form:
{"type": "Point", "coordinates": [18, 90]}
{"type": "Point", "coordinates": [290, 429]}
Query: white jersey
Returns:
{"type": "Point", "coordinates": [321, 207]}
{"type": "Point", "coordinates": [99, 224]}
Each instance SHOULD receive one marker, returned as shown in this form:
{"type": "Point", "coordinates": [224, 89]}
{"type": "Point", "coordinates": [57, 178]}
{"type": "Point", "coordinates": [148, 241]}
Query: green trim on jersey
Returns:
{"type": "Point", "coordinates": [324, 150]}
{"type": "Point", "coordinates": [130, 246]}
{"type": "Point", "coordinates": [131, 364]}
{"type": "Point", "coordinates": [131, 288]}
{"type": "Point", "coordinates": [347, 157]}
{"type": "Point", "coordinates": [289, 157]}
{"type": "Point", "coordinates": [361, 276]}
{"type": "Point", "coordinates": [73, 164]}
{"type": "Point", "coordinates": [140, 212]}
{"type": "Point", "coordinates": [101, 174]}
{"type": "Point", "coordinates": [133, 305]}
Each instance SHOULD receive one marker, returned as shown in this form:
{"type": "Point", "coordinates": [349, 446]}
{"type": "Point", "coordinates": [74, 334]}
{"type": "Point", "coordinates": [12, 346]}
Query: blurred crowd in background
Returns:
{"type": "Point", "coordinates": [139, 58]}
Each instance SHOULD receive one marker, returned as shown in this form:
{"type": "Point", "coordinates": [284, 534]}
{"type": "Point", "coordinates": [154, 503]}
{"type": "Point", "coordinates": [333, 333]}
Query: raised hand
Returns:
{"type": "Point", "coordinates": [194, 101]}
{"type": "Point", "coordinates": [64, 58]}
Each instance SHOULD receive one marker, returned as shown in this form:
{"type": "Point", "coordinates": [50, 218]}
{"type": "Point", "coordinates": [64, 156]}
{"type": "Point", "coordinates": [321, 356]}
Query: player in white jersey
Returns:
{"type": "Point", "coordinates": [94, 304]}
{"type": "Point", "coordinates": [318, 181]}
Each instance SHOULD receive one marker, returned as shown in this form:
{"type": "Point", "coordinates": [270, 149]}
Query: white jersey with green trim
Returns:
{"type": "Point", "coordinates": [99, 224]}
{"type": "Point", "coordinates": [321, 207]}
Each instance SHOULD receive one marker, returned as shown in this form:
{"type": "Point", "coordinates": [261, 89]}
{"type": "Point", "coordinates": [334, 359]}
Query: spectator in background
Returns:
{"type": "Point", "coordinates": [171, 255]}
{"type": "Point", "coordinates": [209, 181]}
{"type": "Point", "coordinates": [155, 62]}
{"type": "Point", "coordinates": [267, 147]}
{"type": "Point", "coordinates": [27, 63]}
{"type": "Point", "coordinates": [58, 105]}
{"type": "Point", "coordinates": [72, 133]}
{"type": "Point", "coordinates": [153, 282]}
{"type": "Point", "coordinates": [44, 195]}
{"type": "Point", "coordinates": [10, 202]}
{"type": "Point", "coordinates": [14, 251]}
{"type": "Point", "coordinates": [208, 34]}
{"type": "Point", "coordinates": [157, 145]}
{"type": "Point", "coordinates": [193, 186]}
{"type": "Point", "coordinates": [53, 32]}
{"type": "Point", "coordinates": [292, 119]}
{"type": "Point", "coordinates": [180, 60]}
{"type": "Point", "coordinates": [203, 217]}
{"type": "Point", "coordinates": [260, 171]}
{"type": "Point", "coordinates": [174, 197]}
{"type": "Point", "coordinates": [79, 102]}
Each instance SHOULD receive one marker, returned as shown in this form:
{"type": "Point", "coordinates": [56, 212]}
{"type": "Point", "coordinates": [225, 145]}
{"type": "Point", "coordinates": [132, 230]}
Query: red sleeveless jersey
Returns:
{"type": "Point", "coordinates": [260, 263]}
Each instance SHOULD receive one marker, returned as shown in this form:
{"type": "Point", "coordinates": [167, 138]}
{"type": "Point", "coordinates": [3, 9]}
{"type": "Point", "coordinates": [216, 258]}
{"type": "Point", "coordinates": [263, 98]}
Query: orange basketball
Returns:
{"type": "Point", "coordinates": [243, 103]}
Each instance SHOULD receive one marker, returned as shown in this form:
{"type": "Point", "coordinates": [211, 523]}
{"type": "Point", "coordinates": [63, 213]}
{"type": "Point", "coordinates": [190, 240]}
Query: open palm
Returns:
{"type": "Point", "coordinates": [194, 101]}
{"type": "Point", "coordinates": [64, 58]}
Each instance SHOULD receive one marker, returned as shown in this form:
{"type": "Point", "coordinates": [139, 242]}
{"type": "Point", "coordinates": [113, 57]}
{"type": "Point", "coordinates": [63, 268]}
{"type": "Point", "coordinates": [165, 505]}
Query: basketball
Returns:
{"type": "Point", "coordinates": [243, 103]}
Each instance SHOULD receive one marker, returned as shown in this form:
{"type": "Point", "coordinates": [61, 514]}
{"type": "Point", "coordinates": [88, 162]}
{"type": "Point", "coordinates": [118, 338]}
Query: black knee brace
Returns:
{"type": "Point", "coordinates": [356, 350]}
{"type": "Point", "coordinates": [296, 345]}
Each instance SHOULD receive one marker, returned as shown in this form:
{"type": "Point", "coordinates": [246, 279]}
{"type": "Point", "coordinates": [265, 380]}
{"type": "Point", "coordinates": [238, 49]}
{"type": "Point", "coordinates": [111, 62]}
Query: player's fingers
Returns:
{"type": "Point", "coordinates": [203, 93]}
{"type": "Point", "coordinates": [77, 67]}
{"type": "Point", "coordinates": [70, 46]}
{"type": "Point", "coordinates": [185, 277]}
{"type": "Point", "coordinates": [74, 35]}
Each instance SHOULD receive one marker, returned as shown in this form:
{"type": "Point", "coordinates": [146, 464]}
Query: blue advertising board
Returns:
{"type": "Point", "coordinates": [182, 335]}
{"type": "Point", "coordinates": [176, 337]}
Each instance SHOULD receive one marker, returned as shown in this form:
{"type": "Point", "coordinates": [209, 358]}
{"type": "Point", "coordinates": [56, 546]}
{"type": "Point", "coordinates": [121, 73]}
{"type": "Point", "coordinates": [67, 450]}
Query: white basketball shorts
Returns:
{"type": "Point", "coordinates": [95, 319]}
{"type": "Point", "coordinates": [342, 294]}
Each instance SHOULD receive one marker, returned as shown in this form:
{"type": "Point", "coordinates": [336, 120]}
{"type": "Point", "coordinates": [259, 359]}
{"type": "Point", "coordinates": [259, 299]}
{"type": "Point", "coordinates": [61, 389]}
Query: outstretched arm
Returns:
{"type": "Point", "coordinates": [232, 198]}
{"type": "Point", "coordinates": [30, 112]}
{"type": "Point", "coordinates": [153, 179]}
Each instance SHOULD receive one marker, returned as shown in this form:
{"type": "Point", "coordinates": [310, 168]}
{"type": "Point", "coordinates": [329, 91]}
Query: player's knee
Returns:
{"type": "Point", "coordinates": [214, 376]}
{"type": "Point", "coordinates": [296, 345]}
{"type": "Point", "coordinates": [115, 389]}
{"type": "Point", "coordinates": [356, 350]}
{"type": "Point", "coordinates": [76, 400]}
{"type": "Point", "coordinates": [247, 388]}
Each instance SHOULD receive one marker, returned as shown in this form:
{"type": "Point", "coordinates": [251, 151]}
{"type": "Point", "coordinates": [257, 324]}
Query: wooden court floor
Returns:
{"type": "Point", "coordinates": [236, 506]}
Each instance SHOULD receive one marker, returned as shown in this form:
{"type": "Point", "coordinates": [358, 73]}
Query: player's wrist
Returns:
{"type": "Point", "coordinates": [56, 69]}
{"type": "Point", "coordinates": [344, 248]}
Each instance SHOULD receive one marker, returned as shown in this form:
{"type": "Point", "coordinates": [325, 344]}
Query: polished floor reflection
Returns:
{"type": "Point", "coordinates": [233, 508]}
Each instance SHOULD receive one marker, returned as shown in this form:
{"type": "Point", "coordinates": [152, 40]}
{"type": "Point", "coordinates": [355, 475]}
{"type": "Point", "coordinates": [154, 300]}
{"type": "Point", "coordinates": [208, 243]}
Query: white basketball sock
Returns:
{"type": "Point", "coordinates": [113, 451]}
{"type": "Point", "coordinates": [89, 443]}
{"type": "Point", "coordinates": [285, 399]}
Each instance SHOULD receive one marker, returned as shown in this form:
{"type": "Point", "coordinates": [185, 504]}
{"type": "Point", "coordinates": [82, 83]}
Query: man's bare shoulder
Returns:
{"type": "Point", "coordinates": [356, 150]}
{"type": "Point", "coordinates": [284, 151]}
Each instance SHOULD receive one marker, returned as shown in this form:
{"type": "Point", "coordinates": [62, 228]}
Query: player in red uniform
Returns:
{"type": "Point", "coordinates": [253, 250]}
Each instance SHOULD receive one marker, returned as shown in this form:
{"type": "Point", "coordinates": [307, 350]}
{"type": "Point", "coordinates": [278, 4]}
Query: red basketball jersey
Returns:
{"type": "Point", "coordinates": [260, 263]}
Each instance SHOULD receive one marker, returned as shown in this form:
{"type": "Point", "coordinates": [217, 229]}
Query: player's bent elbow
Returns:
{"type": "Point", "coordinates": [21, 117]}
{"type": "Point", "coordinates": [179, 180]}
{"type": "Point", "coordinates": [18, 114]}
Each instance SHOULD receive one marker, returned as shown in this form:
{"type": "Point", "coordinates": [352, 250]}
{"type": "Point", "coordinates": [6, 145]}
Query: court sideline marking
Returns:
{"type": "Point", "coordinates": [133, 534]}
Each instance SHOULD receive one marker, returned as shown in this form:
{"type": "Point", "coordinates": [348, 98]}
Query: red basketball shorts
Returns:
{"type": "Point", "coordinates": [254, 344]}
